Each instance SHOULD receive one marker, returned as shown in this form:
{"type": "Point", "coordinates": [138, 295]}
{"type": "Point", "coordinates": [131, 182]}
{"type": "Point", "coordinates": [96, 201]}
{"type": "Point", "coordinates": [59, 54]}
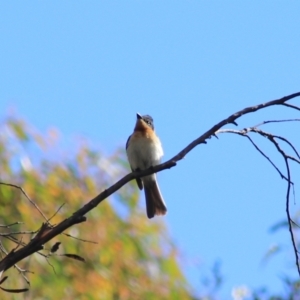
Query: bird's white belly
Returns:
{"type": "Point", "coordinates": [143, 153]}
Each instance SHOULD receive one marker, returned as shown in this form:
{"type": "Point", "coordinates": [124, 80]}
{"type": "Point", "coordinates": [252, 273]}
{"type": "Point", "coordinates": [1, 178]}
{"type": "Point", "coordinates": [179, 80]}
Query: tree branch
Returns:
{"type": "Point", "coordinates": [286, 157]}
{"type": "Point", "coordinates": [48, 232]}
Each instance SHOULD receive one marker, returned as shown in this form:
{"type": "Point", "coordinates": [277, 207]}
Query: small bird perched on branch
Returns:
{"type": "Point", "coordinates": [144, 150]}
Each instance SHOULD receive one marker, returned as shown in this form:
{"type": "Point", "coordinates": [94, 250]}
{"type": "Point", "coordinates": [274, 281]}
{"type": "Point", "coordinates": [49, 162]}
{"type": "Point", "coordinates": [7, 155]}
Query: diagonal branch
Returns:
{"type": "Point", "coordinates": [46, 232]}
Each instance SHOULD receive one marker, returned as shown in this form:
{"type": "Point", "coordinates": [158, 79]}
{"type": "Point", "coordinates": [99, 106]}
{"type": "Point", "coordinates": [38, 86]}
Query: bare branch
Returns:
{"type": "Point", "coordinates": [79, 239]}
{"type": "Point", "coordinates": [272, 138]}
{"type": "Point", "coordinates": [243, 133]}
{"type": "Point", "coordinates": [9, 225]}
{"type": "Point", "coordinates": [48, 232]}
{"type": "Point", "coordinates": [276, 121]}
{"type": "Point", "coordinates": [56, 212]}
{"type": "Point", "coordinates": [291, 106]}
{"type": "Point", "coordinates": [289, 143]}
{"type": "Point", "coordinates": [289, 216]}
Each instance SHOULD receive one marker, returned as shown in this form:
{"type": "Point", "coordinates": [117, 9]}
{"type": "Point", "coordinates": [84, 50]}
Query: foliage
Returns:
{"type": "Point", "coordinates": [134, 258]}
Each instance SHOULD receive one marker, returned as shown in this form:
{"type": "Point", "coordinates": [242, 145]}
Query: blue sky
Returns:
{"type": "Point", "coordinates": [83, 66]}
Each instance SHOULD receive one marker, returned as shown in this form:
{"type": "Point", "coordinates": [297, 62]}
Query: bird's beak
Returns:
{"type": "Point", "coordinates": [139, 116]}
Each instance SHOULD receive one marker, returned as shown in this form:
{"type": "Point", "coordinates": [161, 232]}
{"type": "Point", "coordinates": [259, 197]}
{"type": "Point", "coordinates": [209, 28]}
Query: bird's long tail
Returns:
{"type": "Point", "coordinates": [154, 201]}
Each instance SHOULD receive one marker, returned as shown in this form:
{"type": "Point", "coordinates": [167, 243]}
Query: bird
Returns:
{"type": "Point", "coordinates": [144, 150]}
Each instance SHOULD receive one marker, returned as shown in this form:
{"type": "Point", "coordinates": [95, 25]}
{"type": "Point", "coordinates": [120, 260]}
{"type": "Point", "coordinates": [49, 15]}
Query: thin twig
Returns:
{"type": "Point", "coordinates": [16, 232]}
{"type": "Point", "coordinates": [12, 224]}
{"type": "Point", "coordinates": [276, 121]}
{"type": "Point", "coordinates": [22, 272]}
{"type": "Point", "coordinates": [56, 212]}
{"type": "Point", "coordinates": [289, 143]}
{"type": "Point", "coordinates": [291, 106]}
{"type": "Point", "coordinates": [289, 216]}
{"type": "Point", "coordinates": [79, 239]}
{"type": "Point", "coordinates": [24, 193]}
{"type": "Point", "coordinates": [47, 259]}
{"type": "Point", "coordinates": [242, 133]}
